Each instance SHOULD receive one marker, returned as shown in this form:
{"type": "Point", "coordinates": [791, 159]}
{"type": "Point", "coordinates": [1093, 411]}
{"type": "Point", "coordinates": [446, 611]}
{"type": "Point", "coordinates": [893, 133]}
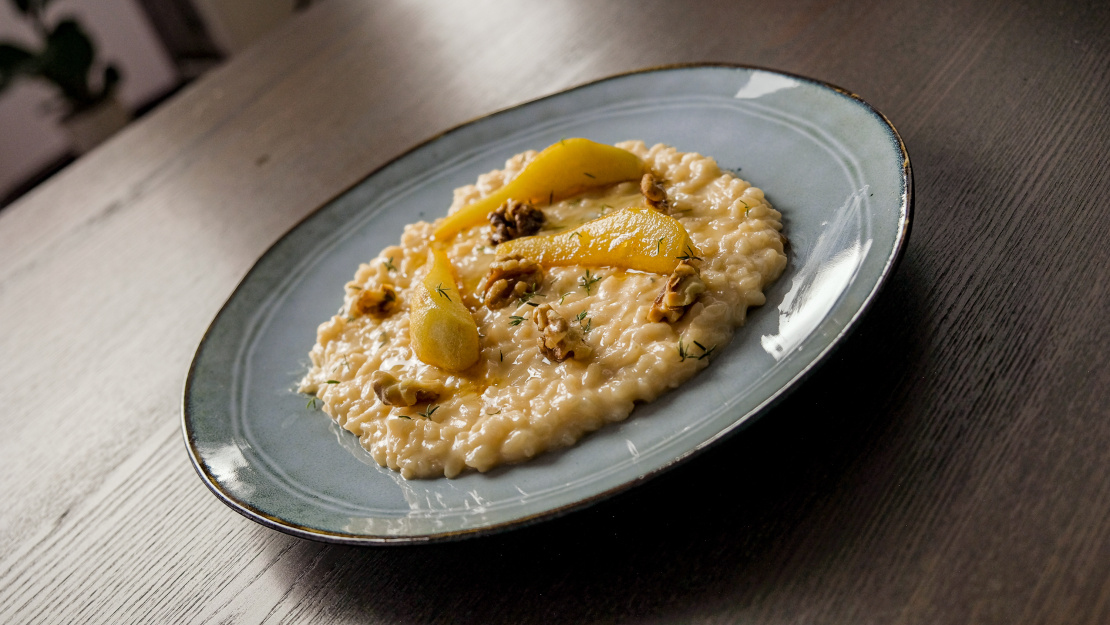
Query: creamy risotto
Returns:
{"type": "Point", "coordinates": [562, 348]}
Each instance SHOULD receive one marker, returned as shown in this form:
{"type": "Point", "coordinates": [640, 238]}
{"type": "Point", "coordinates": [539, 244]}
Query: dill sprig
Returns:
{"type": "Point", "coordinates": [683, 352]}
{"type": "Point", "coordinates": [658, 245]}
{"type": "Point", "coordinates": [427, 414]}
{"type": "Point", "coordinates": [312, 402]}
{"type": "Point", "coordinates": [442, 291]}
{"type": "Point", "coordinates": [529, 294]}
{"type": "Point", "coordinates": [589, 175]}
{"type": "Point", "coordinates": [707, 352]}
{"type": "Point", "coordinates": [516, 320]}
{"type": "Point", "coordinates": [689, 255]}
{"type": "Point", "coordinates": [389, 264]}
{"type": "Point", "coordinates": [686, 351]}
{"type": "Point", "coordinates": [587, 282]}
{"type": "Point", "coordinates": [332, 382]}
{"type": "Point", "coordinates": [588, 325]}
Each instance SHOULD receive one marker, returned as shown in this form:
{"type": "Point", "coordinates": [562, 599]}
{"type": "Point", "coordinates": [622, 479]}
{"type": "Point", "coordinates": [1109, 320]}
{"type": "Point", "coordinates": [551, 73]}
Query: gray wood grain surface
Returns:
{"type": "Point", "coordinates": [951, 464]}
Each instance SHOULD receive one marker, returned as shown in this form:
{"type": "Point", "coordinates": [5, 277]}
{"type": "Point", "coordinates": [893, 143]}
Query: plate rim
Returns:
{"type": "Point", "coordinates": [327, 536]}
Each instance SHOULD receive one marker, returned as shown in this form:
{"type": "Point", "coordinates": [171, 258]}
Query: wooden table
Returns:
{"type": "Point", "coordinates": [951, 464]}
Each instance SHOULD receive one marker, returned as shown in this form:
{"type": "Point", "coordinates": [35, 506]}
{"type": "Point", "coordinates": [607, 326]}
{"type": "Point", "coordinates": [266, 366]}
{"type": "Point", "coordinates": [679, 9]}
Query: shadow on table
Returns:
{"type": "Point", "coordinates": [763, 510]}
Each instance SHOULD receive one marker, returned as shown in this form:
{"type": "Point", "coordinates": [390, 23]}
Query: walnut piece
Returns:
{"type": "Point", "coordinates": [514, 219]}
{"type": "Point", "coordinates": [380, 302]}
{"type": "Point", "coordinates": [560, 340]}
{"type": "Point", "coordinates": [654, 192]}
{"type": "Point", "coordinates": [394, 392]}
{"type": "Point", "coordinates": [682, 288]}
{"type": "Point", "coordinates": [509, 279]}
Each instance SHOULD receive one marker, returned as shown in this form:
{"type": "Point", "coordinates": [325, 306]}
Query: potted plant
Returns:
{"type": "Point", "coordinates": [65, 58]}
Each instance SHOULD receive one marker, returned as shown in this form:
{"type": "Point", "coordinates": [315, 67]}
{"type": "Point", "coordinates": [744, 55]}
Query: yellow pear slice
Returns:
{"type": "Point", "coordinates": [562, 170]}
{"type": "Point", "coordinates": [638, 238]}
{"type": "Point", "coordinates": [441, 329]}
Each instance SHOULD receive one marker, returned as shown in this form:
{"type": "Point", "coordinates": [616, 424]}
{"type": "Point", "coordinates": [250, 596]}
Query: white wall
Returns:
{"type": "Point", "coordinates": [30, 137]}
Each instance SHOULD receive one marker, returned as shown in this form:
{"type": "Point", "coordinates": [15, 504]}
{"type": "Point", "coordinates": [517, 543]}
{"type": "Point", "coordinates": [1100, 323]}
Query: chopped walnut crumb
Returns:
{"type": "Point", "coordinates": [560, 340]}
{"type": "Point", "coordinates": [394, 392]}
{"type": "Point", "coordinates": [514, 219]}
{"type": "Point", "coordinates": [654, 192]}
{"type": "Point", "coordinates": [682, 288]}
{"type": "Point", "coordinates": [379, 302]}
{"type": "Point", "coordinates": [509, 279]}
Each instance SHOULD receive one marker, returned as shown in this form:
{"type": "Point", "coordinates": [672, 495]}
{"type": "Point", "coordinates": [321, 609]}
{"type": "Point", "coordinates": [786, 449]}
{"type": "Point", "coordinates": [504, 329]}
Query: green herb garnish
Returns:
{"type": "Point", "coordinates": [689, 255]}
{"type": "Point", "coordinates": [529, 294]}
{"type": "Point", "coordinates": [516, 320]}
{"type": "Point", "coordinates": [587, 282]}
{"type": "Point", "coordinates": [442, 291]}
{"type": "Point", "coordinates": [389, 264]}
{"type": "Point", "coordinates": [427, 414]}
{"type": "Point", "coordinates": [685, 352]}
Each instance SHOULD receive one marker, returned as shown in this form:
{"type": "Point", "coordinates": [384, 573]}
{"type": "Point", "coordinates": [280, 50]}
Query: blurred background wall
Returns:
{"type": "Point", "coordinates": [158, 46]}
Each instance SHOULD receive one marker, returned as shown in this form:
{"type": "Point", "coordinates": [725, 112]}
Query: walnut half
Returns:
{"type": "Point", "coordinates": [682, 288]}
{"type": "Point", "coordinates": [395, 392]}
{"type": "Point", "coordinates": [514, 219]}
{"type": "Point", "coordinates": [560, 340]}
{"type": "Point", "coordinates": [379, 302]}
{"type": "Point", "coordinates": [509, 279]}
{"type": "Point", "coordinates": [654, 192]}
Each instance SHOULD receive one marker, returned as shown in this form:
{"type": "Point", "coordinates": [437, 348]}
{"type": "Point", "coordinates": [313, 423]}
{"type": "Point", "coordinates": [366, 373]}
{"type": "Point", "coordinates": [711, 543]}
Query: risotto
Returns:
{"type": "Point", "coordinates": [548, 319]}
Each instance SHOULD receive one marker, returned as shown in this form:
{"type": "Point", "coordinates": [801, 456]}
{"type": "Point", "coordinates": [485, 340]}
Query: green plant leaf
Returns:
{"type": "Point", "coordinates": [13, 62]}
{"type": "Point", "coordinates": [111, 78]}
{"type": "Point", "coordinates": [27, 7]}
{"type": "Point", "coordinates": [66, 61]}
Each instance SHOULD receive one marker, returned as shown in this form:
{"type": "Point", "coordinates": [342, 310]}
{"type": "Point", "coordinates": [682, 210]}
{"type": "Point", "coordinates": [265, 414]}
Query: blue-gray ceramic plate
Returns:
{"type": "Point", "coordinates": [832, 164]}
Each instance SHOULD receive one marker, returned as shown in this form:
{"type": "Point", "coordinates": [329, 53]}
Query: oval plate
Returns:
{"type": "Point", "coordinates": [832, 164]}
